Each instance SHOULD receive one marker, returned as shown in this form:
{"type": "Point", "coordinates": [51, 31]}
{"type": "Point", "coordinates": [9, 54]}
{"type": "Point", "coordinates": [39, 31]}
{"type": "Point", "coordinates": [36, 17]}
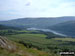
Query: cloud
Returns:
{"type": "Point", "coordinates": [36, 8]}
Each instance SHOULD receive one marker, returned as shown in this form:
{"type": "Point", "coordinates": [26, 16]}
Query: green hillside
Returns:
{"type": "Point", "coordinates": [36, 22]}
{"type": "Point", "coordinates": [20, 50]}
{"type": "Point", "coordinates": [35, 43]}
{"type": "Point", "coordinates": [3, 27]}
{"type": "Point", "coordinates": [32, 47]}
{"type": "Point", "coordinates": [67, 28]}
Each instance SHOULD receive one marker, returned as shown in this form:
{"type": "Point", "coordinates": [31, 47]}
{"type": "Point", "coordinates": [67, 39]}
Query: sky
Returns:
{"type": "Point", "coordinates": [12, 9]}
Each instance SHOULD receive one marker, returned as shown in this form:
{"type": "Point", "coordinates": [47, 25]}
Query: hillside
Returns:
{"type": "Point", "coordinates": [4, 27]}
{"type": "Point", "coordinates": [10, 48]}
{"type": "Point", "coordinates": [67, 28]}
{"type": "Point", "coordinates": [34, 43]}
{"type": "Point", "coordinates": [36, 22]}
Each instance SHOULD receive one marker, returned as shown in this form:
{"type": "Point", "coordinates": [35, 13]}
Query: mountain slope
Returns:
{"type": "Point", "coordinates": [36, 22]}
{"type": "Point", "coordinates": [3, 27]}
{"type": "Point", "coordinates": [67, 28]}
{"type": "Point", "coordinates": [10, 48]}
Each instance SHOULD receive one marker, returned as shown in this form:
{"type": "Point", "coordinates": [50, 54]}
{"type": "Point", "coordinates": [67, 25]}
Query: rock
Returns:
{"type": "Point", "coordinates": [7, 44]}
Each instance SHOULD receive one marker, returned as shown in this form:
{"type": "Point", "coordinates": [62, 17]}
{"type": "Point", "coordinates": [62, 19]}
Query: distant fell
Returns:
{"type": "Point", "coordinates": [65, 27]}
{"type": "Point", "coordinates": [36, 22]}
{"type": "Point", "coordinates": [4, 27]}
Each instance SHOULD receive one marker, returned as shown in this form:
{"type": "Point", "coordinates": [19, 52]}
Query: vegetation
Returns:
{"type": "Point", "coordinates": [22, 51]}
{"type": "Point", "coordinates": [37, 23]}
{"type": "Point", "coordinates": [40, 42]}
{"type": "Point", "coordinates": [36, 43]}
{"type": "Point", "coordinates": [67, 28]}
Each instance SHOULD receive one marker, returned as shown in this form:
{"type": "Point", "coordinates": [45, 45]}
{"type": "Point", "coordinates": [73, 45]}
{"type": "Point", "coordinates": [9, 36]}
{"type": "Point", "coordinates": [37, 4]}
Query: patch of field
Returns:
{"type": "Point", "coordinates": [36, 38]}
{"type": "Point", "coordinates": [27, 31]}
{"type": "Point", "coordinates": [65, 39]}
{"type": "Point", "coordinates": [40, 42]}
{"type": "Point", "coordinates": [40, 38]}
{"type": "Point", "coordinates": [23, 51]}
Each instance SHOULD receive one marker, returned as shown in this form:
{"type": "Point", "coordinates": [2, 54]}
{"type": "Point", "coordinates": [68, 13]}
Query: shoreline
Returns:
{"type": "Point", "coordinates": [47, 30]}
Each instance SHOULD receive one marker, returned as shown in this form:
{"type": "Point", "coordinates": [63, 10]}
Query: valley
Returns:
{"type": "Point", "coordinates": [38, 37]}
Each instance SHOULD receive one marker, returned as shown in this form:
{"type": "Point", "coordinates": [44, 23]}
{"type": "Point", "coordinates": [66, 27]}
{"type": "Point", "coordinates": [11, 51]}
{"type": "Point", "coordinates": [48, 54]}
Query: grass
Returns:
{"type": "Point", "coordinates": [51, 45]}
{"type": "Point", "coordinates": [36, 38]}
{"type": "Point", "coordinates": [27, 31]}
{"type": "Point", "coordinates": [22, 51]}
{"type": "Point", "coordinates": [30, 37]}
{"type": "Point", "coordinates": [39, 40]}
{"type": "Point", "coordinates": [65, 39]}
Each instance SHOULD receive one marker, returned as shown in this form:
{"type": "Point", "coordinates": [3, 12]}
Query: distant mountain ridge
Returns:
{"type": "Point", "coordinates": [37, 22]}
{"type": "Point", "coordinates": [3, 27]}
{"type": "Point", "coordinates": [65, 28]}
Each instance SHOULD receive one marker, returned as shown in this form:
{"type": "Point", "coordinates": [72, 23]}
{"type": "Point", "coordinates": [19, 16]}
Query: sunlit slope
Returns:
{"type": "Point", "coordinates": [10, 48]}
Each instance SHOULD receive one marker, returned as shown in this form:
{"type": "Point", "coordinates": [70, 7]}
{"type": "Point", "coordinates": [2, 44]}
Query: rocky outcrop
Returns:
{"type": "Point", "coordinates": [6, 44]}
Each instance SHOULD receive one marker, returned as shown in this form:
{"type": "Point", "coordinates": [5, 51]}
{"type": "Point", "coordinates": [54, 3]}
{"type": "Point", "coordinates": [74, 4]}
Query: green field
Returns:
{"type": "Point", "coordinates": [38, 40]}
{"type": "Point", "coordinates": [66, 39]}
{"type": "Point", "coordinates": [42, 43]}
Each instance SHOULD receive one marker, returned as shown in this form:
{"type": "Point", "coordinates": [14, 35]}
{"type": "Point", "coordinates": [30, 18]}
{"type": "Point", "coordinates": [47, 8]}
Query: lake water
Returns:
{"type": "Point", "coordinates": [47, 30]}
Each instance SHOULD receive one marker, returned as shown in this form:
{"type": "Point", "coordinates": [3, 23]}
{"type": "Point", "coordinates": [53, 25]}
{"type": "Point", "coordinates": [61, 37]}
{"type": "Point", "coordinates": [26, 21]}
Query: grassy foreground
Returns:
{"type": "Point", "coordinates": [36, 43]}
{"type": "Point", "coordinates": [22, 51]}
